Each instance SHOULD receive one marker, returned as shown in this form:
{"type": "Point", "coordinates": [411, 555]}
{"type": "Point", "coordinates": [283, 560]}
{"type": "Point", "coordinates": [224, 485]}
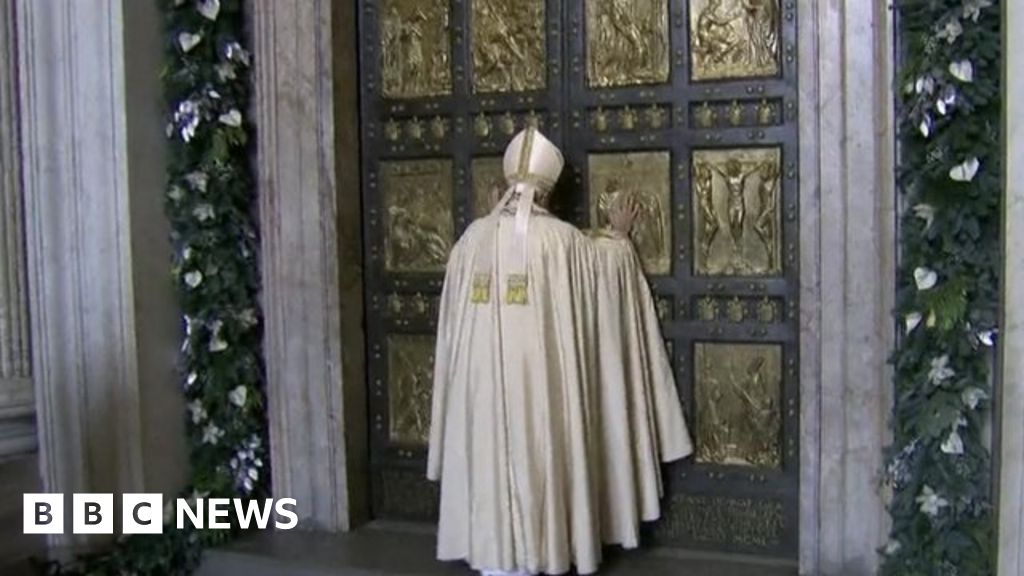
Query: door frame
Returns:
{"type": "Point", "coordinates": [308, 150]}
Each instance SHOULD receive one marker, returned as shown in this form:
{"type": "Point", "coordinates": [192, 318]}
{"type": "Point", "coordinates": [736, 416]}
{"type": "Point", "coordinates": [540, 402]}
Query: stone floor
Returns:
{"type": "Point", "coordinates": [403, 550]}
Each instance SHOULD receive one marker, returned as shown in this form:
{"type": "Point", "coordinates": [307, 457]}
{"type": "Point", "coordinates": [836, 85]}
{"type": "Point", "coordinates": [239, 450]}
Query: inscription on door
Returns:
{"type": "Point", "coordinates": [690, 107]}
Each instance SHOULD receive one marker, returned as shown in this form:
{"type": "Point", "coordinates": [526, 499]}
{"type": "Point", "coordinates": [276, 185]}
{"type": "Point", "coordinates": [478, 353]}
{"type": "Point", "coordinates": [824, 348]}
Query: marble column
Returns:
{"type": "Point", "coordinates": [104, 327]}
{"type": "Point", "coordinates": [17, 428]}
{"type": "Point", "coordinates": [1011, 457]}
{"type": "Point", "coordinates": [848, 222]}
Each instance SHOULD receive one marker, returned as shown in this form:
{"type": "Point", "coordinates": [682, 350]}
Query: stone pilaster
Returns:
{"type": "Point", "coordinates": [17, 431]}
{"type": "Point", "coordinates": [309, 209]}
{"type": "Point", "coordinates": [847, 268]}
{"type": "Point", "coordinates": [1011, 457]}
{"type": "Point", "coordinates": [104, 332]}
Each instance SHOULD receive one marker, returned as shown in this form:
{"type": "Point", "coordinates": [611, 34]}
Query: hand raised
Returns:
{"type": "Point", "coordinates": [624, 213]}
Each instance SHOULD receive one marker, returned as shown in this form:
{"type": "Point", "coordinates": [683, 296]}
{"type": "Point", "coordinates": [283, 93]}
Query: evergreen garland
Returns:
{"type": "Point", "coordinates": [211, 206]}
{"type": "Point", "coordinates": [939, 468]}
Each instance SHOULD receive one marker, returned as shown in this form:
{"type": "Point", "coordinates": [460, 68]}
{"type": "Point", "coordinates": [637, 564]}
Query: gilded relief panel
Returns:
{"type": "Point", "coordinates": [734, 38]}
{"type": "Point", "coordinates": [717, 520]}
{"type": "Point", "coordinates": [737, 212]}
{"type": "Point", "coordinates": [419, 229]}
{"type": "Point", "coordinates": [627, 42]}
{"type": "Point", "coordinates": [509, 49]}
{"type": "Point", "coordinates": [488, 184]}
{"type": "Point", "coordinates": [410, 383]}
{"type": "Point", "coordinates": [738, 392]}
{"type": "Point", "coordinates": [647, 177]}
{"type": "Point", "coordinates": [415, 48]}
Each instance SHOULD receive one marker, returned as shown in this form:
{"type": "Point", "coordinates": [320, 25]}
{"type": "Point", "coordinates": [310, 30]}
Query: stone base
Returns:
{"type": "Point", "coordinates": [408, 550]}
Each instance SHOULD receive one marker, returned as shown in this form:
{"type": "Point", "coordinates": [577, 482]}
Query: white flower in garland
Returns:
{"type": "Point", "coordinates": [892, 547]}
{"type": "Point", "coordinates": [962, 70]}
{"type": "Point", "coordinates": [953, 444]}
{"type": "Point", "coordinates": [203, 212]}
{"type": "Point", "coordinates": [973, 8]}
{"type": "Point", "coordinates": [925, 212]}
{"type": "Point", "coordinates": [925, 127]}
{"type": "Point", "coordinates": [198, 412]}
{"type": "Point", "coordinates": [212, 434]}
{"type": "Point", "coordinates": [925, 278]}
{"type": "Point", "coordinates": [225, 72]}
{"type": "Point", "coordinates": [209, 9]}
{"type": "Point", "coordinates": [965, 171]}
{"type": "Point", "coordinates": [946, 100]}
{"type": "Point", "coordinates": [217, 343]}
{"type": "Point", "coordinates": [988, 337]}
{"type": "Point", "coordinates": [247, 318]}
{"type": "Point", "coordinates": [176, 193]}
{"type": "Point", "coordinates": [238, 396]}
{"type": "Point", "coordinates": [232, 118]}
{"type": "Point", "coordinates": [912, 321]}
{"type": "Point", "coordinates": [233, 51]}
{"type": "Point", "coordinates": [197, 180]}
{"type": "Point", "coordinates": [940, 371]}
{"type": "Point", "coordinates": [931, 503]}
{"type": "Point", "coordinates": [951, 31]}
{"type": "Point", "coordinates": [187, 41]}
{"type": "Point", "coordinates": [190, 381]}
{"type": "Point", "coordinates": [193, 279]}
{"type": "Point", "coordinates": [972, 397]}
{"type": "Point", "coordinates": [924, 84]}
{"type": "Point", "coordinates": [187, 118]}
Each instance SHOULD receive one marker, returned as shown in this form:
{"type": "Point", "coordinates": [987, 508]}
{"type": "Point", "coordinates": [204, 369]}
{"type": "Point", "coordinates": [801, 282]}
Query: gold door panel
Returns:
{"type": "Point", "coordinates": [419, 231]}
{"type": "Point", "coordinates": [488, 184]}
{"type": "Point", "coordinates": [509, 48]}
{"type": "Point", "coordinates": [737, 214]}
{"type": "Point", "coordinates": [410, 385]}
{"type": "Point", "coordinates": [734, 38]}
{"type": "Point", "coordinates": [648, 177]}
{"type": "Point", "coordinates": [738, 394]}
{"type": "Point", "coordinates": [415, 48]}
{"type": "Point", "coordinates": [627, 42]}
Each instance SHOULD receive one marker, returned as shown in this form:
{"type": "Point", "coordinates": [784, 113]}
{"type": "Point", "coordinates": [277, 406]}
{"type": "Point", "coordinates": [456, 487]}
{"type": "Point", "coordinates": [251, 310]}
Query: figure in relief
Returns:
{"type": "Point", "coordinates": [767, 192]}
{"type": "Point", "coordinates": [704, 184]}
{"type": "Point", "coordinates": [735, 38]}
{"type": "Point", "coordinates": [508, 46]}
{"type": "Point", "coordinates": [735, 176]}
{"type": "Point", "coordinates": [627, 42]}
{"type": "Point", "coordinates": [414, 49]}
{"type": "Point", "coordinates": [650, 232]}
{"type": "Point", "coordinates": [554, 399]}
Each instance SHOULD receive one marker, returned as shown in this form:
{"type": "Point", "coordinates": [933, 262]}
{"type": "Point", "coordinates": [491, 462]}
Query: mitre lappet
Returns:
{"type": "Point", "coordinates": [554, 402]}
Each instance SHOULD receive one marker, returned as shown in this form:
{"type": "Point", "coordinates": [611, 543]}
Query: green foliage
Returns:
{"type": "Point", "coordinates": [211, 205]}
{"type": "Point", "coordinates": [939, 469]}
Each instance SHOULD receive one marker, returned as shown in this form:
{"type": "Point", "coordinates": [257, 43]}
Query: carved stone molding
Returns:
{"type": "Point", "coordinates": [1011, 444]}
{"type": "Point", "coordinates": [104, 329]}
{"type": "Point", "coordinates": [309, 210]}
{"type": "Point", "coordinates": [17, 426]}
{"type": "Point", "coordinates": [846, 173]}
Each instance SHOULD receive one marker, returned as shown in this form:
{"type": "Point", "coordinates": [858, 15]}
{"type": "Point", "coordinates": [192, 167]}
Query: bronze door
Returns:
{"type": "Point", "coordinates": [692, 104]}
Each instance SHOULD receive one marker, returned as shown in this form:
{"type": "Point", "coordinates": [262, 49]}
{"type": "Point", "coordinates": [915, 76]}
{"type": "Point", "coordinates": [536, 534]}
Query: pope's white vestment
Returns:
{"type": "Point", "coordinates": [554, 399]}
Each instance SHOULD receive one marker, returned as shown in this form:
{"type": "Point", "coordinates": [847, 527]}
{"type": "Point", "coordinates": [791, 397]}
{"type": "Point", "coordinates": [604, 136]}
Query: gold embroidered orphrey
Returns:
{"type": "Point", "coordinates": [627, 42]}
{"type": "Point", "coordinates": [734, 38]}
{"type": "Point", "coordinates": [509, 48]}
{"type": "Point", "coordinates": [415, 48]}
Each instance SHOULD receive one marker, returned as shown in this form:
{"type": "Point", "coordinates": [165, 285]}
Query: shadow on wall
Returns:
{"type": "Point", "coordinates": [18, 475]}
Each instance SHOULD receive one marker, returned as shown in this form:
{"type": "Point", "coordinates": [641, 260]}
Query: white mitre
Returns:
{"type": "Point", "coordinates": [532, 161]}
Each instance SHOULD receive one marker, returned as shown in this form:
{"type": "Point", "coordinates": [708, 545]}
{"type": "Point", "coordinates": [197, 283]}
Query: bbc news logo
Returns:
{"type": "Point", "coordinates": [145, 514]}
